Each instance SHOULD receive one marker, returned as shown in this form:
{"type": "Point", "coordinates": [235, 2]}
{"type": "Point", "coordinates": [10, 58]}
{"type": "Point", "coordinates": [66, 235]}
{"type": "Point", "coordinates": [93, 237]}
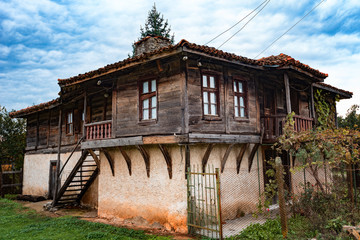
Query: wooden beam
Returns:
{"type": "Point", "coordinates": [252, 154]}
{"type": "Point", "coordinates": [313, 115]}
{"type": "Point", "coordinates": [206, 156]}
{"type": "Point", "coordinates": [146, 158]}
{"type": "Point", "coordinates": [85, 113]}
{"type": "Point", "coordinates": [226, 156]}
{"type": "Point", "coordinates": [222, 138]}
{"type": "Point", "coordinates": [57, 182]}
{"type": "Point", "coordinates": [96, 159]}
{"type": "Point", "coordinates": [167, 157]}
{"type": "Point", "coordinates": [110, 160]}
{"type": "Point", "coordinates": [114, 113]}
{"type": "Point", "coordinates": [187, 159]}
{"type": "Point", "coordinates": [106, 143]}
{"type": "Point", "coordinates": [287, 93]}
{"type": "Point", "coordinates": [240, 156]}
{"type": "Point", "coordinates": [127, 158]}
{"type": "Point", "coordinates": [159, 139]}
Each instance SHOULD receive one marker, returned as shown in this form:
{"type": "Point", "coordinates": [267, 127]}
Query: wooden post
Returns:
{"type": "Point", "coordinates": [113, 113]}
{"type": "Point", "coordinates": [1, 183]}
{"type": "Point", "coordinates": [58, 160]}
{"type": "Point", "coordinates": [312, 103]}
{"type": "Point", "coordinates": [282, 205]}
{"type": "Point", "coordinates": [85, 106]}
{"type": "Point", "coordinates": [287, 92]}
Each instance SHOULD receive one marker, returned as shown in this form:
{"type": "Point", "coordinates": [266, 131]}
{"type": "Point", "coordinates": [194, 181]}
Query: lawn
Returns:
{"type": "Point", "coordinates": [17, 222]}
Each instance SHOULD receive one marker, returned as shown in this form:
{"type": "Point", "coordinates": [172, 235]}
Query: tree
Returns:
{"type": "Point", "coordinates": [12, 139]}
{"type": "Point", "coordinates": [155, 25]}
{"type": "Point", "coordinates": [352, 119]}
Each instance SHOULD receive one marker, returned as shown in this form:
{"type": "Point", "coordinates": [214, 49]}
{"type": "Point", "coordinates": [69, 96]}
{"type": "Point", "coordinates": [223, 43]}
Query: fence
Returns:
{"type": "Point", "coordinates": [240, 199]}
{"type": "Point", "coordinates": [11, 182]}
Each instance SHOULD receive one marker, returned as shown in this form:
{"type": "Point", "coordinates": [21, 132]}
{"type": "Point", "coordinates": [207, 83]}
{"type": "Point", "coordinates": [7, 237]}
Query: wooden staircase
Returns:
{"type": "Point", "coordinates": [78, 181]}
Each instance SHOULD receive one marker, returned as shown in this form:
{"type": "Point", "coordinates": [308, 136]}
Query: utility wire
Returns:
{"type": "Point", "coordinates": [289, 29]}
{"type": "Point", "coordinates": [236, 23]}
{"type": "Point", "coordinates": [245, 24]}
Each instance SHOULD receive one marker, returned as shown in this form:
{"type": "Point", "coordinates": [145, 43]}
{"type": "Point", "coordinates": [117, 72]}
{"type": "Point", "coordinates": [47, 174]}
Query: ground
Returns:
{"type": "Point", "coordinates": [91, 215]}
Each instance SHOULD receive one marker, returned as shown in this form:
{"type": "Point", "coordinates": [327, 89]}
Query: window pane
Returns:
{"type": "Point", "coordinates": [240, 87]}
{"type": "Point", "coordinates": [153, 85]}
{"type": "Point", "coordinates": [235, 87]}
{"type": "Point", "coordinates": [205, 94]}
{"type": "Point", "coordinates": [242, 112]}
{"type": "Point", "coordinates": [212, 82]}
{"type": "Point", "coordinates": [146, 114]}
{"type": "Point", "coordinates": [146, 103]}
{"type": "Point", "coordinates": [235, 101]}
{"type": "Point", "coordinates": [145, 87]}
{"type": "Point", "coordinates": [236, 111]}
{"type": "Point", "coordinates": [212, 98]}
{"type": "Point", "coordinates": [205, 81]}
{"type": "Point", "coordinates": [213, 109]}
{"type": "Point", "coordinates": [153, 113]}
{"type": "Point", "coordinates": [242, 102]}
{"type": "Point", "coordinates": [153, 101]}
{"type": "Point", "coordinates": [206, 108]}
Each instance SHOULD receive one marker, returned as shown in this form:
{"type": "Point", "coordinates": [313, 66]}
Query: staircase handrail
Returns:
{"type": "Point", "coordinates": [80, 140]}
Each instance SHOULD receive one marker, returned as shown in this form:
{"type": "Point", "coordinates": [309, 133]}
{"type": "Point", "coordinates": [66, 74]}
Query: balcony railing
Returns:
{"type": "Point", "coordinates": [98, 130]}
{"type": "Point", "coordinates": [274, 124]}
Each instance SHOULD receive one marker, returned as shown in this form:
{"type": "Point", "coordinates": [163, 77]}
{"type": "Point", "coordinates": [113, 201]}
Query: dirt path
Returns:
{"type": "Point", "coordinates": [89, 214]}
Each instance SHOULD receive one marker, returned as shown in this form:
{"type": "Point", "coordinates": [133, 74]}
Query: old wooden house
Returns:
{"type": "Point", "coordinates": [122, 137]}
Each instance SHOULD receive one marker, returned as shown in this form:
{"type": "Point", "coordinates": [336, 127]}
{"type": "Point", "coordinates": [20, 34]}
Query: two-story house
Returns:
{"type": "Point", "coordinates": [123, 136]}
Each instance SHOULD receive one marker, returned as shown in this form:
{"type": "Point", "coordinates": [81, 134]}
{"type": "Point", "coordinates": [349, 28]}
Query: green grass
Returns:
{"type": "Point", "coordinates": [17, 222]}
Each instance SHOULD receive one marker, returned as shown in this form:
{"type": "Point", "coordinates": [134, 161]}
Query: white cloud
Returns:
{"type": "Point", "coordinates": [58, 40]}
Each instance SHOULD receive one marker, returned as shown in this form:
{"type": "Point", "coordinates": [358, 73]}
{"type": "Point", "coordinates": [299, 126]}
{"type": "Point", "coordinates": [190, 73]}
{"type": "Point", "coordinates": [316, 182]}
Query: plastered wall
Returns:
{"type": "Point", "coordinates": [36, 175]}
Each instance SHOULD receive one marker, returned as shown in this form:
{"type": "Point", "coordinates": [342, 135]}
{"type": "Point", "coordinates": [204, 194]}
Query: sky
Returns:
{"type": "Point", "coordinates": [42, 40]}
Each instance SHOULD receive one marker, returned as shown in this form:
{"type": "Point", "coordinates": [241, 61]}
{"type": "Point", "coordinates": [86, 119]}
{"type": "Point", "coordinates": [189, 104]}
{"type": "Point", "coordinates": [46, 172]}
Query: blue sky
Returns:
{"type": "Point", "coordinates": [42, 40]}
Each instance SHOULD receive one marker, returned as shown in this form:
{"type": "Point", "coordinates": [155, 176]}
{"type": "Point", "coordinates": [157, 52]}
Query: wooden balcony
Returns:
{"type": "Point", "coordinates": [98, 130]}
{"type": "Point", "coordinates": [273, 125]}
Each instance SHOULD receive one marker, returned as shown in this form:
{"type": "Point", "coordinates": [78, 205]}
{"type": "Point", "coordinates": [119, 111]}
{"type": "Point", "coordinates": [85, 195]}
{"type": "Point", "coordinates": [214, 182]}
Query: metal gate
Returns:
{"type": "Point", "coordinates": [204, 204]}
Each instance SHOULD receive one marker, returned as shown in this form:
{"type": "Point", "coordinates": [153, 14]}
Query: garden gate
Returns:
{"type": "Point", "coordinates": [204, 204]}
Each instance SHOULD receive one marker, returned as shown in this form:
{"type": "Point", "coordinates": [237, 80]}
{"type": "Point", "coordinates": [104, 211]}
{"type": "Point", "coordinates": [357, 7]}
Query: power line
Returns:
{"type": "Point", "coordinates": [236, 23]}
{"type": "Point", "coordinates": [244, 24]}
{"type": "Point", "coordinates": [289, 29]}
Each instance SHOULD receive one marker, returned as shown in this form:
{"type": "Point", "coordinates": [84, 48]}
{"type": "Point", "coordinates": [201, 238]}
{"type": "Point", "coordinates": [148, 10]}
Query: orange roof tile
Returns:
{"type": "Point", "coordinates": [281, 60]}
{"type": "Point", "coordinates": [35, 108]}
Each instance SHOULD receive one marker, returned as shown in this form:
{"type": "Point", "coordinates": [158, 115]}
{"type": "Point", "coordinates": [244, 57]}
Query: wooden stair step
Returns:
{"type": "Point", "coordinates": [69, 195]}
{"type": "Point", "coordinates": [86, 171]}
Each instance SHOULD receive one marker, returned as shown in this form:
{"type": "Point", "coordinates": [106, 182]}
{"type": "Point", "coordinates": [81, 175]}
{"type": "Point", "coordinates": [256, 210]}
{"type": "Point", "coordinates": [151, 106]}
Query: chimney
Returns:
{"type": "Point", "coordinates": [150, 43]}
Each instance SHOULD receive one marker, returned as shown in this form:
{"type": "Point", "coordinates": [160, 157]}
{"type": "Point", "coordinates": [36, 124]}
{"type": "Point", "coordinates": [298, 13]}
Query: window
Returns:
{"type": "Point", "coordinates": [148, 100]}
{"type": "Point", "coordinates": [240, 99]}
{"type": "Point", "coordinates": [210, 95]}
{"type": "Point", "coordinates": [69, 123]}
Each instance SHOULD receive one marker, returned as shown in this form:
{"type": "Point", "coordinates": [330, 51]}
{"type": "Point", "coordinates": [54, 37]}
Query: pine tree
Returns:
{"type": "Point", "coordinates": [155, 26]}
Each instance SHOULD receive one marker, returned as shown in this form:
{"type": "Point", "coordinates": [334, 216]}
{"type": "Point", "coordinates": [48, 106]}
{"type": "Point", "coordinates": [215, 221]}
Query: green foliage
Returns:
{"type": "Point", "coordinates": [17, 222]}
{"type": "Point", "coordinates": [352, 119]}
{"type": "Point", "coordinates": [156, 25]}
{"type": "Point", "coordinates": [12, 139]}
{"type": "Point", "coordinates": [299, 228]}
{"type": "Point", "coordinates": [325, 109]}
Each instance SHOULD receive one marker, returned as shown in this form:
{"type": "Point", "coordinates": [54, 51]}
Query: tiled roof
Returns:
{"type": "Point", "coordinates": [344, 92]}
{"type": "Point", "coordinates": [286, 60]}
{"type": "Point", "coordinates": [35, 108]}
{"type": "Point", "coordinates": [281, 60]}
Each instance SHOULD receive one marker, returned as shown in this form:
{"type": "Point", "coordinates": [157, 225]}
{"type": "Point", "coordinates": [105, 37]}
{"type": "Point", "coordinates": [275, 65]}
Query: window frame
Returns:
{"type": "Point", "coordinates": [238, 95]}
{"type": "Point", "coordinates": [149, 95]}
{"type": "Point", "coordinates": [209, 90]}
{"type": "Point", "coordinates": [69, 125]}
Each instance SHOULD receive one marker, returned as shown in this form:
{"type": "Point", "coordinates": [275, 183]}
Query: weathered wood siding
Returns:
{"type": "Point", "coordinates": [169, 112]}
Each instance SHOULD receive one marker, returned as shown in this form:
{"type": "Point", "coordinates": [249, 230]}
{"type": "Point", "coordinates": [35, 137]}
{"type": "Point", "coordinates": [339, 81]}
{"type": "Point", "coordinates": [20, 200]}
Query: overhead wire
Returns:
{"type": "Point", "coordinates": [289, 29]}
{"type": "Point", "coordinates": [236, 23]}
{"type": "Point", "coordinates": [245, 24]}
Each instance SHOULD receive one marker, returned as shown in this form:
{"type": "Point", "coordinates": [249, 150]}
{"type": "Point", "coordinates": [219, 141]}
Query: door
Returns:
{"type": "Point", "coordinates": [52, 178]}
